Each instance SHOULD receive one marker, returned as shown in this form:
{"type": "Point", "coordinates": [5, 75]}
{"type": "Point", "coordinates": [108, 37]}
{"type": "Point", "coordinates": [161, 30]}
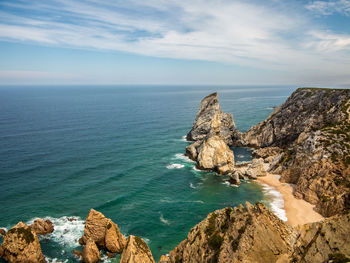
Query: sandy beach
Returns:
{"type": "Point", "coordinates": [298, 211]}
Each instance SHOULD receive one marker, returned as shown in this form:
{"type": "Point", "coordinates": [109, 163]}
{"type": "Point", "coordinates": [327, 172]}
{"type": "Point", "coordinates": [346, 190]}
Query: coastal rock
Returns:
{"type": "Point", "coordinates": [254, 233]}
{"type": "Point", "coordinates": [306, 140]}
{"type": "Point", "coordinates": [214, 154]}
{"type": "Point", "coordinates": [305, 110]}
{"type": "Point", "coordinates": [2, 232]}
{"type": "Point", "coordinates": [136, 251]}
{"type": "Point", "coordinates": [164, 259]}
{"type": "Point", "coordinates": [234, 179]}
{"type": "Point", "coordinates": [42, 227]}
{"type": "Point", "coordinates": [237, 235]}
{"type": "Point", "coordinates": [21, 245]}
{"type": "Point", "coordinates": [103, 232]}
{"type": "Point", "coordinates": [209, 106]}
{"type": "Point", "coordinates": [256, 168]}
{"type": "Point", "coordinates": [91, 254]}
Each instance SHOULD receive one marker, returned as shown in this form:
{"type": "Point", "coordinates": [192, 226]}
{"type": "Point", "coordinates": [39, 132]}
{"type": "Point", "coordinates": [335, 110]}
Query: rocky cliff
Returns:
{"type": "Point", "coordinates": [210, 106]}
{"type": "Point", "coordinates": [312, 131]}
{"type": "Point", "coordinates": [254, 234]}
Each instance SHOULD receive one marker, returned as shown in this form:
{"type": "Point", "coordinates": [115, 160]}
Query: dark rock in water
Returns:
{"type": "Point", "coordinates": [77, 253]}
{"type": "Point", "coordinates": [21, 245]}
{"type": "Point", "coordinates": [209, 106]}
{"type": "Point", "coordinates": [71, 219]}
{"type": "Point", "coordinates": [2, 232]}
{"type": "Point", "coordinates": [42, 227]}
{"type": "Point", "coordinates": [234, 179]}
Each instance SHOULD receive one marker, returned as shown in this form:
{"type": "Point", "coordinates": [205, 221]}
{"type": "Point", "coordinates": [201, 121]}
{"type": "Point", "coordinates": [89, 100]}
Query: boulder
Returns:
{"type": "Point", "coordinates": [91, 254]}
{"type": "Point", "coordinates": [214, 154]}
{"type": "Point", "coordinates": [103, 232]}
{"type": "Point", "coordinates": [234, 179]}
{"type": "Point", "coordinates": [136, 251]}
{"type": "Point", "coordinates": [164, 259]}
{"type": "Point", "coordinates": [21, 245]}
{"type": "Point", "coordinates": [209, 106]}
{"type": "Point", "coordinates": [2, 231]}
{"type": "Point", "coordinates": [256, 168]}
{"type": "Point", "coordinates": [42, 227]}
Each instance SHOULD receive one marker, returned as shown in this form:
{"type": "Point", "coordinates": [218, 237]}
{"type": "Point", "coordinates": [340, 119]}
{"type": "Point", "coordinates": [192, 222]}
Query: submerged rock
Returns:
{"type": "Point", "coordinates": [90, 254]}
{"type": "Point", "coordinates": [21, 245]}
{"type": "Point", "coordinates": [209, 106]}
{"type": "Point", "coordinates": [42, 227]}
{"type": "Point", "coordinates": [103, 232]}
{"type": "Point", "coordinates": [136, 251]}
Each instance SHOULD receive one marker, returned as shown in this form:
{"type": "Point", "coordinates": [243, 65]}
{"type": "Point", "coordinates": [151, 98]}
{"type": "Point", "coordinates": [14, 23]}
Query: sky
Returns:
{"type": "Point", "coordinates": [175, 42]}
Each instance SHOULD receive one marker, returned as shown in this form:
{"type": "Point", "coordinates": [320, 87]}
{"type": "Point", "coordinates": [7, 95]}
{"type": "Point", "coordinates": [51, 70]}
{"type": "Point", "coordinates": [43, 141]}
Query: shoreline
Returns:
{"type": "Point", "coordinates": [298, 211]}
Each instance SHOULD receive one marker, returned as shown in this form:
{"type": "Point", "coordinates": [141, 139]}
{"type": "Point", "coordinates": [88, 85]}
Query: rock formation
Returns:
{"type": "Point", "coordinates": [312, 133]}
{"type": "Point", "coordinates": [2, 232]}
{"type": "Point", "coordinates": [212, 153]}
{"type": "Point", "coordinates": [103, 232]}
{"type": "Point", "coordinates": [254, 234]}
{"type": "Point", "coordinates": [21, 245]}
{"type": "Point", "coordinates": [42, 227]}
{"type": "Point", "coordinates": [209, 106]}
{"type": "Point", "coordinates": [90, 254]}
{"type": "Point", "coordinates": [136, 251]}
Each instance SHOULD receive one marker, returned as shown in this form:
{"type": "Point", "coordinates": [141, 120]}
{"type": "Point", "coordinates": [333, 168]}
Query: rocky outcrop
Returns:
{"type": "Point", "coordinates": [42, 227]}
{"type": "Point", "coordinates": [209, 106]}
{"type": "Point", "coordinates": [2, 232]}
{"type": "Point", "coordinates": [103, 232]}
{"type": "Point", "coordinates": [307, 109]}
{"type": "Point", "coordinates": [90, 254]}
{"type": "Point", "coordinates": [212, 153]}
{"type": "Point", "coordinates": [136, 251]}
{"type": "Point", "coordinates": [21, 245]}
{"type": "Point", "coordinates": [254, 233]}
{"type": "Point", "coordinates": [306, 140]}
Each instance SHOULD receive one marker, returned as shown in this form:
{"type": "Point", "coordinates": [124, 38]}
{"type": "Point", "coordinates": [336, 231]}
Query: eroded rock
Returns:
{"type": "Point", "coordinates": [103, 232]}
{"type": "Point", "coordinates": [42, 227]}
{"type": "Point", "coordinates": [21, 245]}
{"type": "Point", "coordinates": [209, 106]}
{"type": "Point", "coordinates": [136, 251]}
{"type": "Point", "coordinates": [90, 254]}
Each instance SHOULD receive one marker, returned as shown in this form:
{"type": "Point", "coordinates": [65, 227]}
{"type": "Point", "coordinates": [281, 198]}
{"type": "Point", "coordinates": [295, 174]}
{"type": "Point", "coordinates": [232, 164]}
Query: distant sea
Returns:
{"type": "Point", "coordinates": [119, 150]}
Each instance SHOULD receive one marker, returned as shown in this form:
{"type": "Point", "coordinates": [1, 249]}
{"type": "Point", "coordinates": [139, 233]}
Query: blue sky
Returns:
{"type": "Point", "coordinates": [214, 42]}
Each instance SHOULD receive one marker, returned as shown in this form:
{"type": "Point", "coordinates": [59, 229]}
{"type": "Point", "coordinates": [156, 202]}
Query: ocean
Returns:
{"type": "Point", "coordinates": [119, 150]}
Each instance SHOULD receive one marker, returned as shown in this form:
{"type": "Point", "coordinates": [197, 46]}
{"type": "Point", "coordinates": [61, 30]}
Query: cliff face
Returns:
{"type": "Point", "coordinates": [254, 234]}
{"type": "Point", "coordinates": [209, 106]}
{"type": "Point", "coordinates": [312, 129]}
{"type": "Point", "coordinates": [307, 109]}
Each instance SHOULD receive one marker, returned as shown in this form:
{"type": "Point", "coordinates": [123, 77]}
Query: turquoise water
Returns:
{"type": "Point", "coordinates": [119, 150]}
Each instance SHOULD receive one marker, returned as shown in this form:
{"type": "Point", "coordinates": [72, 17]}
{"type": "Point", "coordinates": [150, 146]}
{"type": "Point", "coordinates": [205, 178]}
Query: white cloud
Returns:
{"type": "Point", "coordinates": [234, 32]}
{"type": "Point", "coordinates": [330, 7]}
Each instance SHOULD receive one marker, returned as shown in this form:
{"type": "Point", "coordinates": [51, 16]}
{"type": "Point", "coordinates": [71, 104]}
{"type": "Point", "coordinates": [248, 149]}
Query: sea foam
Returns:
{"type": "Point", "coordinates": [67, 230]}
{"type": "Point", "coordinates": [175, 166]}
{"type": "Point", "coordinates": [277, 203]}
{"type": "Point", "coordinates": [183, 157]}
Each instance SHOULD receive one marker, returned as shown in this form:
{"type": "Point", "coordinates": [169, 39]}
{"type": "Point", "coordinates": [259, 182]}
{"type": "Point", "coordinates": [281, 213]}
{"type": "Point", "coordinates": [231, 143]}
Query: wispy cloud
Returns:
{"type": "Point", "coordinates": [330, 7]}
{"type": "Point", "coordinates": [238, 32]}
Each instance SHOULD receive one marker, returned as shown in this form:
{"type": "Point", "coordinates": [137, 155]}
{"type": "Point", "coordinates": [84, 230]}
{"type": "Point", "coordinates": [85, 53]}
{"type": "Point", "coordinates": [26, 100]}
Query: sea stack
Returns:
{"type": "Point", "coordinates": [210, 106]}
{"type": "Point", "coordinates": [211, 151]}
